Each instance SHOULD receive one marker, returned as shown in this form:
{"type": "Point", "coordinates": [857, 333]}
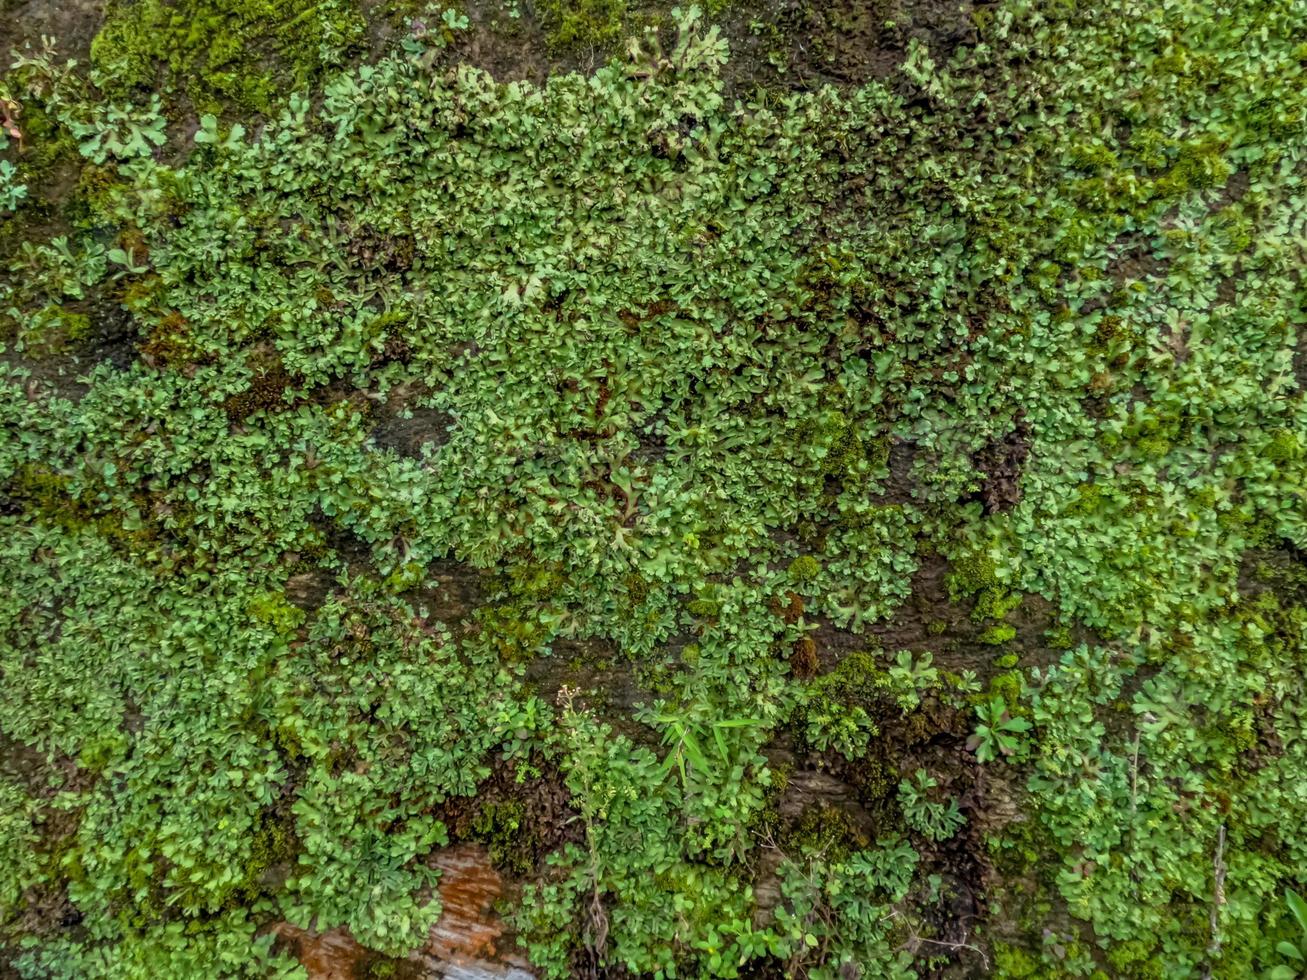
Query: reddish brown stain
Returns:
{"type": "Point", "coordinates": [333, 955]}
{"type": "Point", "coordinates": [468, 933]}
{"type": "Point", "coordinates": [469, 888]}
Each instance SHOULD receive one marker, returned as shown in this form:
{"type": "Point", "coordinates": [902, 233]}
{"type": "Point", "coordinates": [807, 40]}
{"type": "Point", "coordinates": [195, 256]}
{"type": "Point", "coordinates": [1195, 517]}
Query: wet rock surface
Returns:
{"type": "Point", "coordinates": [468, 942]}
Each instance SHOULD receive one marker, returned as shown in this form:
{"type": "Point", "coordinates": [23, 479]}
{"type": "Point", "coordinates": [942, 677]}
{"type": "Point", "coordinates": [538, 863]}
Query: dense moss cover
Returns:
{"type": "Point", "coordinates": [597, 470]}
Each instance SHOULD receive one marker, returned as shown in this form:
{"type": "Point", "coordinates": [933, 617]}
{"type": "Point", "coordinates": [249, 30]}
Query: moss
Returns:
{"type": "Point", "coordinates": [54, 329]}
{"type": "Point", "coordinates": [275, 610]}
{"type": "Point", "coordinates": [994, 603]}
{"type": "Point", "coordinates": [1241, 731]}
{"type": "Point", "coordinates": [844, 447]}
{"type": "Point", "coordinates": [1059, 637]}
{"type": "Point", "coordinates": [45, 142]}
{"type": "Point", "coordinates": [502, 827]}
{"type": "Point", "coordinates": [789, 607]}
{"type": "Point", "coordinates": [266, 392]}
{"type": "Point", "coordinates": [1013, 962]}
{"type": "Point", "coordinates": [805, 568]}
{"type": "Point", "coordinates": [1133, 958]}
{"type": "Point", "coordinates": [1153, 446]}
{"type": "Point", "coordinates": [1284, 446]}
{"type": "Point", "coordinates": [1008, 687]}
{"type": "Point", "coordinates": [971, 574]}
{"type": "Point", "coordinates": [170, 344]}
{"type": "Point", "coordinates": [217, 53]}
{"type": "Point", "coordinates": [998, 634]}
{"type": "Point", "coordinates": [857, 676]}
{"type": "Point", "coordinates": [407, 576]}
{"type": "Point", "coordinates": [703, 608]}
{"type": "Point", "coordinates": [637, 587]}
{"type": "Point", "coordinates": [823, 829]}
{"type": "Point", "coordinates": [1007, 661]}
{"type": "Point", "coordinates": [580, 23]}
{"type": "Point", "coordinates": [274, 844]}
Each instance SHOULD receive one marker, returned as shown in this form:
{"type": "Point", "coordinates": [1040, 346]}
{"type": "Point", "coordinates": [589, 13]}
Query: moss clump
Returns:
{"type": "Point", "coordinates": [805, 568]}
{"type": "Point", "coordinates": [826, 830]}
{"type": "Point", "coordinates": [637, 588]}
{"type": "Point", "coordinates": [789, 607]}
{"type": "Point", "coordinates": [1284, 447]}
{"type": "Point", "coordinates": [268, 385]}
{"type": "Point", "coordinates": [1133, 958]}
{"type": "Point", "coordinates": [580, 23]}
{"type": "Point", "coordinates": [502, 828]}
{"type": "Point", "coordinates": [53, 329]}
{"type": "Point", "coordinates": [1010, 961]}
{"type": "Point", "coordinates": [703, 608]}
{"type": "Point", "coordinates": [275, 610]}
{"type": "Point", "coordinates": [1059, 638]}
{"type": "Point", "coordinates": [1153, 447]}
{"type": "Point", "coordinates": [998, 634]}
{"type": "Point", "coordinates": [970, 575]}
{"type": "Point", "coordinates": [858, 676]}
{"type": "Point", "coordinates": [1008, 687]}
{"type": "Point", "coordinates": [994, 603]}
{"type": "Point", "coordinates": [274, 844]}
{"type": "Point", "coordinates": [216, 53]}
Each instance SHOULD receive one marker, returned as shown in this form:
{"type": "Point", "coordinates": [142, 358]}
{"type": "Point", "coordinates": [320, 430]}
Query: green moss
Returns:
{"type": "Point", "coordinates": [54, 329]}
{"type": "Point", "coordinates": [1014, 963]}
{"type": "Point", "coordinates": [217, 53]}
{"type": "Point", "coordinates": [805, 568]}
{"type": "Point", "coordinates": [637, 587]}
{"type": "Point", "coordinates": [998, 634]}
{"type": "Point", "coordinates": [502, 827]}
{"type": "Point", "coordinates": [1007, 661]}
{"type": "Point", "coordinates": [578, 23]}
{"type": "Point", "coordinates": [703, 608]}
{"type": "Point", "coordinates": [1059, 637]}
{"type": "Point", "coordinates": [1284, 446]}
{"type": "Point", "coordinates": [994, 603]}
{"type": "Point", "coordinates": [858, 675]}
{"type": "Point", "coordinates": [1153, 447]}
{"type": "Point", "coordinates": [1133, 958]}
{"type": "Point", "coordinates": [1008, 687]}
{"type": "Point", "coordinates": [971, 574]}
{"type": "Point", "coordinates": [275, 610]}
{"type": "Point", "coordinates": [844, 447]}
{"type": "Point", "coordinates": [274, 843]}
{"type": "Point", "coordinates": [823, 829]}
{"type": "Point", "coordinates": [1240, 729]}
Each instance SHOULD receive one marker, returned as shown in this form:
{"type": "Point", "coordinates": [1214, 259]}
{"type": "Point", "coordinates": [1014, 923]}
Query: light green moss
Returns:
{"type": "Point", "coordinates": [998, 634]}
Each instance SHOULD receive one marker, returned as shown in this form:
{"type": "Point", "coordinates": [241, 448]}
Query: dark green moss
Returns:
{"type": "Point", "coordinates": [502, 828]}
{"type": "Point", "coordinates": [824, 830]}
{"type": "Point", "coordinates": [218, 54]}
{"type": "Point", "coordinates": [582, 23]}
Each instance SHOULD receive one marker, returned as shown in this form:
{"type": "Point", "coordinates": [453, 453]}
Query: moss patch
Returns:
{"type": "Point", "coordinates": [236, 54]}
